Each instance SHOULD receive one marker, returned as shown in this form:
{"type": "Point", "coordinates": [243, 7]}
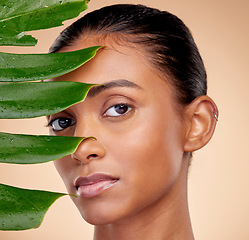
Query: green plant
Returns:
{"type": "Point", "coordinates": [22, 208]}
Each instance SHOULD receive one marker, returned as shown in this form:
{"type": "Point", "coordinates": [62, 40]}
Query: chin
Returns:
{"type": "Point", "coordinates": [97, 212]}
{"type": "Point", "coordinates": [101, 211]}
{"type": "Point", "coordinates": [97, 217]}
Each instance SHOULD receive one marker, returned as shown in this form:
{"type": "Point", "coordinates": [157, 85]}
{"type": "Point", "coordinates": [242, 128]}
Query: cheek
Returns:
{"type": "Point", "coordinates": [64, 166]}
{"type": "Point", "coordinates": [150, 155]}
{"type": "Point", "coordinates": [148, 159]}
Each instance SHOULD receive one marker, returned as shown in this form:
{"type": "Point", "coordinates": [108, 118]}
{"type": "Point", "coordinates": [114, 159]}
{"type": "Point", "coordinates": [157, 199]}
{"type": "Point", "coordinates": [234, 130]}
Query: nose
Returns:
{"type": "Point", "coordinates": [88, 150]}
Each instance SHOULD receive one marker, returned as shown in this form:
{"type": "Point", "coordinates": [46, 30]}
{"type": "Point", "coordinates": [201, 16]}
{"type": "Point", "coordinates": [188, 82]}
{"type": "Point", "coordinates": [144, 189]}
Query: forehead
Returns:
{"type": "Point", "coordinates": [115, 42]}
{"type": "Point", "coordinates": [110, 41]}
{"type": "Point", "coordinates": [116, 61]}
{"type": "Point", "coordinates": [117, 57]}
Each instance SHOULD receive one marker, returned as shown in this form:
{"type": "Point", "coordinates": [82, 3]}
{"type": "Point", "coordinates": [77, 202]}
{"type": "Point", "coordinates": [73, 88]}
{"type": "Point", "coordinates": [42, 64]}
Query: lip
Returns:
{"type": "Point", "coordinates": [94, 184]}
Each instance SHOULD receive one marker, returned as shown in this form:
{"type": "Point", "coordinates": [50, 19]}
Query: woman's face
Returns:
{"type": "Point", "coordinates": [136, 158]}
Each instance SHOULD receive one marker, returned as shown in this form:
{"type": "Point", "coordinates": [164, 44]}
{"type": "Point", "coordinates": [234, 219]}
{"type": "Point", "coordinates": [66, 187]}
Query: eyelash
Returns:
{"type": "Point", "coordinates": [128, 109]}
{"type": "Point", "coordinates": [53, 121]}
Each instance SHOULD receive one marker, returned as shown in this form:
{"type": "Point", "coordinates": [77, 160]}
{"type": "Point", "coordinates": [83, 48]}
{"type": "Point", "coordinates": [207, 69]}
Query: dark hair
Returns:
{"type": "Point", "coordinates": [167, 42]}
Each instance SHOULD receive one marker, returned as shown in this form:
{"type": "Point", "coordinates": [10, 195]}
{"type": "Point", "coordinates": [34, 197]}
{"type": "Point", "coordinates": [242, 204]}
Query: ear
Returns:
{"type": "Point", "coordinates": [201, 117]}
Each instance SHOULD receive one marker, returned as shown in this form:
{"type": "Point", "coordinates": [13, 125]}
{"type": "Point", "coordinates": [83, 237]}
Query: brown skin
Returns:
{"type": "Point", "coordinates": [147, 147]}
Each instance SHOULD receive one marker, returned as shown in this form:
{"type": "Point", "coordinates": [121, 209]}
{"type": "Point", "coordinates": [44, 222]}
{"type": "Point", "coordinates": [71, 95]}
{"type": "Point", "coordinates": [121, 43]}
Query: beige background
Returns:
{"type": "Point", "coordinates": [218, 181]}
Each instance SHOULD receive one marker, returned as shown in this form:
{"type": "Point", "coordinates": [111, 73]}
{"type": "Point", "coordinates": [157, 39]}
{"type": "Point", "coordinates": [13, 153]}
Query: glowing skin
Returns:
{"type": "Point", "coordinates": [140, 143]}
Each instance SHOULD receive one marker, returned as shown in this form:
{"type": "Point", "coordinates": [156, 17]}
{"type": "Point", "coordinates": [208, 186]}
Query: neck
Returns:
{"type": "Point", "coordinates": [168, 219]}
{"type": "Point", "coordinates": [160, 228]}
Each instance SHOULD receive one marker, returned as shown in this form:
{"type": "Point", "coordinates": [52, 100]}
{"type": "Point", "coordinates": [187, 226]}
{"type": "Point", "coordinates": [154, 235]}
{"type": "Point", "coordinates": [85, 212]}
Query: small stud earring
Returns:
{"type": "Point", "coordinates": [215, 116]}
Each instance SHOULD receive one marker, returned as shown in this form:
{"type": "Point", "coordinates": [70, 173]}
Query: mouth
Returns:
{"type": "Point", "coordinates": [94, 184]}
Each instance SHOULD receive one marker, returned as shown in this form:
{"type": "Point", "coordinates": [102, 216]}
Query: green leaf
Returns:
{"type": "Point", "coordinates": [31, 149]}
{"type": "Point", "coordinates": [20, 16]}
{"type": "Point", "coordinates": [18, 40]}
{"type": "Point", "coordinates": [31, 67]}
{"type": "Point", "coordinates": [29, 100]}
{"type": "Point", "coordinates": [22, 209]}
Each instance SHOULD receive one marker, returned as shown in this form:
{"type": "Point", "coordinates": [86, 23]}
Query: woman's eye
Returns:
{"type": "Point", "coordinates": [59, 124]}
{"type": "Point", "coordinates": [118, 110]}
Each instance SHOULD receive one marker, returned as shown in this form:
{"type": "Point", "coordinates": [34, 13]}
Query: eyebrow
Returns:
{"type": "Point", "coordinates": [113, 84]}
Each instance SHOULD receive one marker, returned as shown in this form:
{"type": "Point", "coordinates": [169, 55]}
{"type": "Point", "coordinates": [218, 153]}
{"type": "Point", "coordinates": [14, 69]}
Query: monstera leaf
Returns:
{"type": "Point", "coordinates": [44, 98]}
{"type": "Point", "coordinates": [31, 67]}
{"type": "Point", "coordinates": [30, 149]}
{"type": "Point", "coordinates": [19, 16]}
{"type": "Point", "coordinates": [22, 208]}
